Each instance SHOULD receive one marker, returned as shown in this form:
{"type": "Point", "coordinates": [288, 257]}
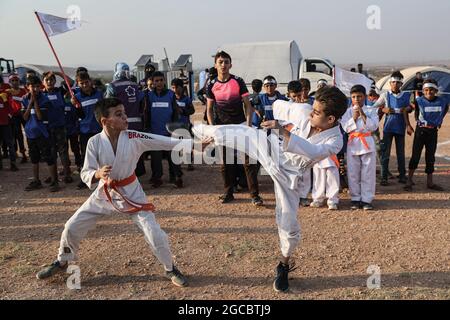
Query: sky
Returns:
{"type": "Point", "coordinates": [414, 31]}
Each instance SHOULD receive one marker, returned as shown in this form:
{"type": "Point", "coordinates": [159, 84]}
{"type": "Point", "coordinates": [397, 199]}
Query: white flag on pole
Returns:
{"type": "Point", "coordinates": [54, 25]}
{"type": "Point", "coordinates": [345, 80]}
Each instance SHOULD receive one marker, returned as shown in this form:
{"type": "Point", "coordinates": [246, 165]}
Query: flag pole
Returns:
{"type": "Point", "coordinates": [334, 75]}
{"type": "Point", "coordinates": [66, 80]}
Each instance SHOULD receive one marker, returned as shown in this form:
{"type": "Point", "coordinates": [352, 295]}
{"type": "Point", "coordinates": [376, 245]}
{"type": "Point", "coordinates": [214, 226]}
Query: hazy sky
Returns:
{"type": "Point", "coordinates": [411, 31]}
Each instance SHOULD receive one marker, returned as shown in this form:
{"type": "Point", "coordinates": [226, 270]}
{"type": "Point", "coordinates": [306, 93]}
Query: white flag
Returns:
{"type": "Point", "coordinates": [345, 80]}
{"type": "Point", "coordinates": [54, 25]}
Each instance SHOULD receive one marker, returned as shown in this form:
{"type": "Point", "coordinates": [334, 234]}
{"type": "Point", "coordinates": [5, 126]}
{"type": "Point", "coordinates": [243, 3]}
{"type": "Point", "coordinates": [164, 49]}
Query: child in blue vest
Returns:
{"type": "Point", "coordinates": [266, 100]}
{"type": "Point", "coordinates": [89, 127]}
{"type": "Point", "coordinates": [395, 105]}
{"type": "Point", "coordinates": [72, 129]}
{"type": "Point", "coordinates": [57, 122]}
{"type": "Point", "coordinates": [162, 109]}
{"type": "Point", "coordinates": [35, 106]}
{"type": "Point", "coordinates": [430, 111]}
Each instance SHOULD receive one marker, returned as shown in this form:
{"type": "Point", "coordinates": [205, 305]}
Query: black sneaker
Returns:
{"type": "Point", "coordinates": [366, 206]}
{"type": "Point", "coordinates": [177, 277]}
{"type": "Point", "coordinates": [68, 179]}
{"type": "Point", "coordinates": [178, 183]}
{"type": "Point", "coordinates": [82, 186]}
{"type": "Point", "coordinates": [281, 283]}
{"type": "Point", "coordinates": [384, 182]}
{"type": "Point", "coordinates": [13, 167]}
{"type": "Point", "coordinates": [34, 185]}
{"type": "Point", "coordinates": [54, 186]}
{"type": "Point", "coordinates": [355, 205]}
{"type": "Point", "coordinates": [156, 182]}
{"type": "Point", "coordinates": [226, 198]}
{"type": "Point", "coordinates": [402, 180]}
{"type": "Point", "coordinates": [257, 201]}
{"type": "Point", "coordinates": [51, 270]}
{"type": "Point", "coordinates": [304, 202]}
{"type": "Point", "coordinates": [48, 180]}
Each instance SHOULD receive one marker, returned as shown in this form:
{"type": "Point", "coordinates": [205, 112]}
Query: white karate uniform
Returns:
{"type": "Point", "coordinates": [99, 152]}
{"type": "Point", "coordinates": [326, 181]}
{"type": "Point", "coordinates": [361, 160]}
{"type": "Point", "coordinates": [284, 162]}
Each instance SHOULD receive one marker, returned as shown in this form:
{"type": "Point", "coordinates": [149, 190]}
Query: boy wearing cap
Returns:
{"type": "Point", "coordinates": [429, 112]}
{"type": "Point", "coordinates": [394, 104]}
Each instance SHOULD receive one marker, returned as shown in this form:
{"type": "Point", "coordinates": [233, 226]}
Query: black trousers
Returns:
{"type": "Point", "coordinates": [424, 137]}
{"type": "Point", "coordinates": [157, 168]}
{"type": "Point", "coordinates": [74, 142]}
{"type": "Point", "coordinates": [230, 174]}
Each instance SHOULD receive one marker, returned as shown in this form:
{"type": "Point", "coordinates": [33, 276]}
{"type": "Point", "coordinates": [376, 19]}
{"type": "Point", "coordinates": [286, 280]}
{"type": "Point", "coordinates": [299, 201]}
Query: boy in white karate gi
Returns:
{"type": "Point", "coordinates": [359, 122]}
{"type": "Point", "coordinates": [298, 140]}
{"type": "Point", "coordinates": [326, 183]}
{"type": "Point", "coordinates": [111, 157]}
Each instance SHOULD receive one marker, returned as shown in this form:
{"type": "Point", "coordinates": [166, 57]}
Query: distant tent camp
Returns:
{"type": "Point", "coordinates": [441, 75]}
{"type": "Point", "coordinates": [253, 60]}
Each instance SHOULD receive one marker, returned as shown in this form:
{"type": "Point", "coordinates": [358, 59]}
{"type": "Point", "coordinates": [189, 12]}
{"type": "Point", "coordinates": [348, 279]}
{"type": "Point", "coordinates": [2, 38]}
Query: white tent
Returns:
{"type": "Point", "coordinates": [441, 75]}
{"type": "Point", "coordinates": [280, 59]}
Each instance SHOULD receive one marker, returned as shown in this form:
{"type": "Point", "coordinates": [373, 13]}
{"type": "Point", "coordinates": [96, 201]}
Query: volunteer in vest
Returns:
{"type": "Point", "coordinates": [86, 98]}
{"type": "Point", "coordinates": [131, 96]}
{"type": "Point", "coordinates": [162, 109]}
{"type": "Point", "coordinates": [57, 122]}
{"type": "Point", "coordinates": [394, 104]}
{"type": "Point", "coordinates": [430, 111]}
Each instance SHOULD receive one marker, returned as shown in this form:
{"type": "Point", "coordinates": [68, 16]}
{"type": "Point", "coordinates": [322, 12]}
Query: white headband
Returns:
{"type": "Point", "coordinates": [395, 79]}
{"type": "Point", "coordinates": [270, 81]}
{"type": "Point", "coordinates": [430, 85]}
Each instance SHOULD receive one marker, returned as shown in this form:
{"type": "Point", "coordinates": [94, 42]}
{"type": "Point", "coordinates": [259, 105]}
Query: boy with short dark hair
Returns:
{"type": "Point", "coordinates": [87, 97]}
{"type": "Point", "coordinates": [57, 122]}
{"type": "Point", "coordinates": [430, 111]}
{"type": "Point", "coordinates": [162, 109]}
{"type": "Point", "coordinates": [306, 88]}
{"type": "Point", "coordinates": [35, 106]}
{"type": "Point", "coordinates": [111, 157]}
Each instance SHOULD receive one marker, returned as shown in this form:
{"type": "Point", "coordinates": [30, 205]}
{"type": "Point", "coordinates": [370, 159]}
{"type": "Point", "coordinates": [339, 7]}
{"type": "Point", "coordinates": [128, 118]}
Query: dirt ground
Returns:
{"type": "Point", "coordinates": [230, 251]}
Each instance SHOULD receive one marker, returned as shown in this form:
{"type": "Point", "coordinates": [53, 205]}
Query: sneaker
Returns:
{"type": "Point", "coordinates": [54, 186]}
{"type": "Point", "coordinates": [355, 205]}
{"type": "Point", "coordinates": [51, 270]}
{"type": "Point", "coordinates": [332, 206]}
{"type": "Point", "coordinates": [178, 183]}
{"type": "Point", "coordinates": [156, 182]}
{"type": "Point", "coordinates": [13, 167]}
{"type": "Point", "coordinates": [304, 202]}
{"type": "Point", "coordinates": [226, 198]}
{"type": "Point", "coordinates": [177, 277]}
{"type": "Point", "coordinates": [366, 206]}
{"type": "Point", "coordinates": [34, 185]}
{"type": "Point", "coordinates": [384, 182]}
{"type": "Point", "coordinates": [281, 283]}
{"type": "Point", "coordinates": [48, 180]}
{"type": "Point", "coordinates": [82, 186]}
{"type": "Point", "coordinates": [68, 179]}
{"type": "Point", "coordinates": [316, 204]}
{"type": "Point", "coordinates": [257, 201]}
{"type": "Point", "coordinates": [402, 180]}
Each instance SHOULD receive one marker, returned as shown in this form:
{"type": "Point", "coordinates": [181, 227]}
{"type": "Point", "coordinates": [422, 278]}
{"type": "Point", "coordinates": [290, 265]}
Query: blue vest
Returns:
{"type": "Point", "coordinates": [35, 128]}
{"type": "Point", "coordinates": [161, 111]}
{"type": "Point", "coordinates": [56, 112]}
{"type": "Point", "coordinates": [129, 94]}
{"type": "Point", "coordinates": [89, 124]}
{"type": "Point", "coordinates": [266, 103]}
{"type": "Point", "coordinates": [431, 113]}
{"type": "Point", "coordinates": [183, 103]}
{"type": "Point", "coordinates": [395, 123]}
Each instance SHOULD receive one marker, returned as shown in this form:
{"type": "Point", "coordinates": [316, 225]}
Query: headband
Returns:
{"type": "Point", "coordinates": [396, 79]}
{"type": "Point", "coordinates": [270, 81]}
{"type": "Point", "coordinates": [430, 85]}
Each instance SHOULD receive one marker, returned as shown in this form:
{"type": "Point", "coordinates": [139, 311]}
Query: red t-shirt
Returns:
{"type": "Point", "coordinates": [4, 87]}
{"type": "Point", "coordinates": [5, 110]}
{"type": "Point", "coordinates": [15, 99]}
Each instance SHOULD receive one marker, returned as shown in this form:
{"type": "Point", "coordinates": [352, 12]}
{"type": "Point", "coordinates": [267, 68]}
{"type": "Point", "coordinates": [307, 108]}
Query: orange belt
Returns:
{"type": "Point", "coordinates": [361, 136]}
{"type": "Point", "coordinates": [335, 160]}
{"type": "Point", "coordinates": [135, 207]}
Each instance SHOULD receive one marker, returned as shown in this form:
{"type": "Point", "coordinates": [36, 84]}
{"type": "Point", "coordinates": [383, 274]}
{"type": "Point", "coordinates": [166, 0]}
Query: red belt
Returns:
{"type": "Point", "coordinates": [135, 207]}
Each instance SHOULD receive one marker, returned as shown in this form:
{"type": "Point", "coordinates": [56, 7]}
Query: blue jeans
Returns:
{"type": "Point", "coordinates": [386, 153]}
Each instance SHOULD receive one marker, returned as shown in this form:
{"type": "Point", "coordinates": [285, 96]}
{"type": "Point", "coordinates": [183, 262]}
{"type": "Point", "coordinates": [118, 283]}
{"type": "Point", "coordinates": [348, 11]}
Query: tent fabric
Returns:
{"type": "Point", "coordinates": [254, 60]}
